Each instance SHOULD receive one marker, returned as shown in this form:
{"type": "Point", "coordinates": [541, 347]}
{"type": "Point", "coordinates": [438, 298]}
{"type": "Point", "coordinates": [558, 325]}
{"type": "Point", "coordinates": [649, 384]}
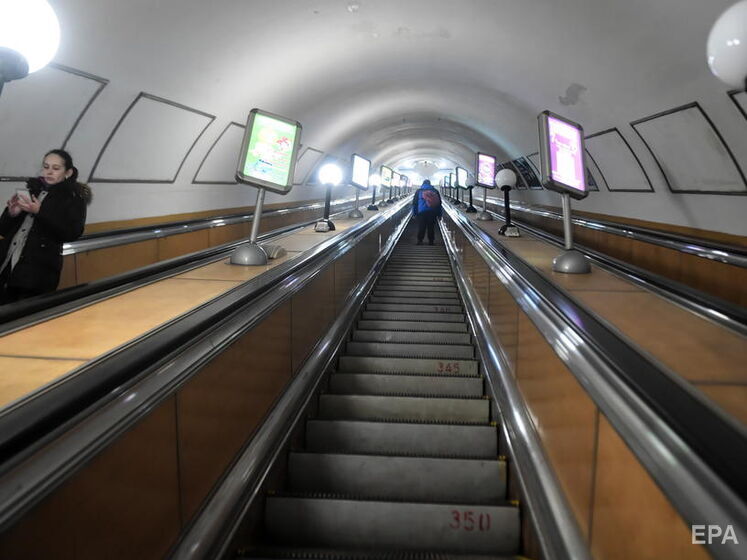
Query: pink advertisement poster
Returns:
{"type": "Point", "coordinates": [566, 157]}
{"type": "Point", "coordinates": [485, 170]}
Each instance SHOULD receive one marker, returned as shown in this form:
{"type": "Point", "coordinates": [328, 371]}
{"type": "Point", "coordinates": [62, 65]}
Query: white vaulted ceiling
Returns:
{"type": "Point", "coordinates": [400, 82]}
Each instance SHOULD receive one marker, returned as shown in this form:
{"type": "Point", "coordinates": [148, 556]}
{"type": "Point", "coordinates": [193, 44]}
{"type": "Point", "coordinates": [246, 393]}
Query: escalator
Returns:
{"type": "Point", "coordinates": [400, 459]}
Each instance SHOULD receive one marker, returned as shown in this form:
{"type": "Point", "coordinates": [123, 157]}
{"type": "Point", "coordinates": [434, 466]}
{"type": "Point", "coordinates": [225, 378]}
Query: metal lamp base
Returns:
{"type": "Point", "coordinates": [249, 254]}
{"type": "Point", "coordinates": [484, 216]}
{"type": "Point", "coordinates": [571, 262]}
{"type": "Point", "coordinates": [471, 210]}
{"type": "Point", "coordinates": [509, 231]}
{"type": "Point", "coordinates": [372, 207]}
{"type": "Point", "coordinates": [355, 214]}
{"type": "Point", "coordinates": [324, 225]}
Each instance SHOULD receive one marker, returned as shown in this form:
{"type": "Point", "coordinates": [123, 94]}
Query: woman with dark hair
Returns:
{"type": "Point", "coordinates": [36, 223]}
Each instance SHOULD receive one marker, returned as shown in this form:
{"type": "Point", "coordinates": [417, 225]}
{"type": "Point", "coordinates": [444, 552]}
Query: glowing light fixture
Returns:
{"type": "Point", "coordinates": [727, 46]}
{"type": "Point", "coordinates": [29, 37]}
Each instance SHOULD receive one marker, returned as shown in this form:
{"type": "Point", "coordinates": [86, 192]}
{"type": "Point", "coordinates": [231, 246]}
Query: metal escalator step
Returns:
{"type": "Point", "coordinates": [426, 337]}
{"type": "Point", "coordinates": [401, 478]}
{"type": "Point", "coordinates": [363, 364]}
{"type": "Point", "coordinates": [291, 553]}
{"type": "Point", "coordinates": [413, 316]}
{"type": "Point", "coordinates": [357, 436]}
{"type": "Point", "coordinates": [446, 289]}
{"type": "Point", "coordinates": [385, 283]}
{"type": "Point", "coordinates": [417, 307]}
{"type": "Point", "coordinates": [414, 326]}
{"type": "Point", "coordinates": [427, 409]}
{"type": "Point", "coordinates": [423, 350]}
{"type": "Point", "coordinates": [416, 274]}
{"type": "Point", "coordinates": [380, 384]}
{"type": "Point", "coordinates": [365, 524]}
{"type": "Point", "coordinates": [415, 295]}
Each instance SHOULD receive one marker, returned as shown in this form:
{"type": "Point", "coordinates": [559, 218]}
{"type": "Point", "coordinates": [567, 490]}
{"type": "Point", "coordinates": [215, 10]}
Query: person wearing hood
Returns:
{"type": "Point", "coordinates": [426, 207]}
{"type": "Point", "coordinates": [36, 223]}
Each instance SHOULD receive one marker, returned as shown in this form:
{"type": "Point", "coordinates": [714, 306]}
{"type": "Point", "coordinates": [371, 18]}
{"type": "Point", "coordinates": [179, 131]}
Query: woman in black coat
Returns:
{"type": "Point", "coordinates": [36, 224]}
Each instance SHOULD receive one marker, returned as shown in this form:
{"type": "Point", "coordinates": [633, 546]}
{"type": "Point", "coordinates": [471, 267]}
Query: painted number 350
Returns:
{"type": "Point", "coordinates": [469, 521]}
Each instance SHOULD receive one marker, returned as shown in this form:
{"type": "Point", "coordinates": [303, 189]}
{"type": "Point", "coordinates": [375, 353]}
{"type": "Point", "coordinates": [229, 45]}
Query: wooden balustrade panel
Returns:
{"type": "Point", "coordinates": [95, 265]}
{"type": "Point", "coordinates": [312, 313]}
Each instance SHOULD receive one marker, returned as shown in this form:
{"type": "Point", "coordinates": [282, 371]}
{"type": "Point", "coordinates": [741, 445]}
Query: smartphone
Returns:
{"type": "Point", "coordinates": [23, 193]}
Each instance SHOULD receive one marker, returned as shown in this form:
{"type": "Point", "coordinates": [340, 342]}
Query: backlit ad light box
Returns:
{"type": "Point", "coordinates": [361, 168]}
{"type": "Point", "coordinates": [461, 177]}
{"type": "Point", "coordinates": [562, 155]}
{"type": "Point", "coordinates": [386, 176]}
{"type": "Point", "coordinates": [268, 153]}
{"type": "Point", "coordinates": [452, 180]}
{"type": "Point", "coordinates": [485, 171]}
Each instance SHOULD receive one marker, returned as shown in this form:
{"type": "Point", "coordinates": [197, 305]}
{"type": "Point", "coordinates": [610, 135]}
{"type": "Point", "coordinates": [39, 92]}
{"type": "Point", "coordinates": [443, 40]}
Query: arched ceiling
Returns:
{"type": "Point", "coordinates": [405, 80]}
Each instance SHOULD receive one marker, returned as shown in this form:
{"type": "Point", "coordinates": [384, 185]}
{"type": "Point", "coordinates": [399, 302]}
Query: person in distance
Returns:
{"type": "Point", "coordinates": [426, 207]}
{"type": "Point", "coordinates": [35, 224]}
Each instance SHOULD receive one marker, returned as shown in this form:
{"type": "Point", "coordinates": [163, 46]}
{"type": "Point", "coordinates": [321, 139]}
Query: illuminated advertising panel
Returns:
{"type": "Point", "coordinates": [461, 177]}
{"type": "Point", "coordinates": [396, 179]}
{"type": "Point", "coordinates": [452, 180]}
{"type": "Point", "coordinates": [360, 168]}
{"type": "Point", "coordinates": [386, 176]}
{"type": "Point", "coordinates": [485, 171]}
{"type": "Point", "coordinates": [562, 155]}
{"type": "Point", "coordinates": [268, 153]}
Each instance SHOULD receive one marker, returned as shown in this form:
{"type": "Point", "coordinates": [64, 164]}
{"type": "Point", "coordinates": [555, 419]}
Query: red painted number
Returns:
{"type": "Point", "coordinates": [469, 521]}
{"type": "Point", "coordinates": [448, 367]}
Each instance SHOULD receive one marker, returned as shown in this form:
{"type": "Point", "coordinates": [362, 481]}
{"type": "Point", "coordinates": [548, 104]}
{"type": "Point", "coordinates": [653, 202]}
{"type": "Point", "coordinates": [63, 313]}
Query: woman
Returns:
{"type": "Point", "coordinates": [36, 224]}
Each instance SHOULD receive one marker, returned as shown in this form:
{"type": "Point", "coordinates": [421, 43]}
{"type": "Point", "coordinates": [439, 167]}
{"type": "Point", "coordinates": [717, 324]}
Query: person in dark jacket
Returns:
{"type": "Point", "coordinates": [36, 223]}
{"type": "Point", "coordinates": [426, 207]}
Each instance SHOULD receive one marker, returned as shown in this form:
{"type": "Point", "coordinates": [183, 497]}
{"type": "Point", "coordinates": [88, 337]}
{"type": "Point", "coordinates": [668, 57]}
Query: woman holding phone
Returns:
{"type": "Point", "coordinates": [35, 224]}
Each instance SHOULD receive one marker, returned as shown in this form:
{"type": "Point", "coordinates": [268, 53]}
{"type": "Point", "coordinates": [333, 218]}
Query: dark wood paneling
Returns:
{"type": "Point", "coordinates": [94, 265]}
{"type": "Point", "coordinates": [344, 278]}
{"type": "Point", "coordinates": [182, 244]}
{"type": "Point", "coordinates": [123, 505]}
{"type": "Point", "coordinates": [69, 275]}
{"type": "Point", "coordinates": [312, 312]}
{"type": "Point", "coordinates": [219, 409]}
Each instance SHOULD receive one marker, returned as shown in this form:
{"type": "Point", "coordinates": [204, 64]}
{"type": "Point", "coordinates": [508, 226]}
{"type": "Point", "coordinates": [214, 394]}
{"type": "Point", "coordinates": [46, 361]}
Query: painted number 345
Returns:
{"type": "Point", "coordinates": [448, 367]}
{"type": "Point", "coordinates": [469, 521]}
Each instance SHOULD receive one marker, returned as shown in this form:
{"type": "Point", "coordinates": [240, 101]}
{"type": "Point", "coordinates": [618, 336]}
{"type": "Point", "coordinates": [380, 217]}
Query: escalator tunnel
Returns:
{"type": "Point", "coordinates": [398, 428]}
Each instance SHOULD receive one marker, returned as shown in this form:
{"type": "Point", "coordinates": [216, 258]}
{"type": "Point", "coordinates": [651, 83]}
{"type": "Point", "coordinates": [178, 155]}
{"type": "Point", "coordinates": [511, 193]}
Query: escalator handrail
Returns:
{"type": "Point", "coordinates": [40, 437]}
{"type": "Point", "coordinates": [106, 239]}
{"type": "Point", "coordinates": [705, 248]}
{"type": "Point", "coordinates": [212, 530]}
{"type": "Point", "coordinates": [668, 425]}
{"type": "Point", "coordinates": [558, 533]}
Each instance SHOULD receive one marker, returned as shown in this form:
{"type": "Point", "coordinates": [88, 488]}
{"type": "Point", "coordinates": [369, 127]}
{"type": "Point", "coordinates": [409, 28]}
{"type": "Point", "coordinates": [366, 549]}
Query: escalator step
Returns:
{"type": "Point", "coordinates": [412, 316]}
{"type": "Point", "coordinates": [414, 326]}
{"type": "Point", "coordinates": [401, 478]}
{"type": "Point", "coordinates": [425, 337]}
{"type": "Point", "coordinates": [412, 294]}
{"type": "Point", "coordinates": [355, 436]}
{"type": "Point", "coordinates": [424, 409]}
{"type": "Point", "coordinates": [289, 553]}
{"type": "Point", "coordinates": [400, 287]}
{"type": "Point", "coordinates": [436, 300]}
{"type": "Point", "coordinates": [423, 350]}
{"type": "Point", "coordinates": [397, 526]}
{"type": "Point", "coordinates": [416, 307]}
{"type": "Point", "coordinates": [400, 283]}
{"type": "Point", "coordinates": [362, 364]}
{"type": "Point", "coordinates": [379, 384]}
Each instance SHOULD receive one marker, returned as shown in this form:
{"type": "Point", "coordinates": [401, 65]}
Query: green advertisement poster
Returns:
{"type": "Point", "coordinates": [386, 176]}
{"type": "Point", "coordinates": [270, 150]}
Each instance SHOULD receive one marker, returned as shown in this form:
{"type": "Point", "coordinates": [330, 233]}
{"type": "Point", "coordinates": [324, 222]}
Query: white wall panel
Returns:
{"type": "Point", "coordinates": [39, 113]}
{"type": "Point", "coordinates": [151, 142]}
{"type": "Point", "coordinates": [613, 156]}
{"type": "Point", "coordinates": [219, 165]}
{"type": "Point", "coordinates": [305, 163]}
{"type": "Point", "coordinates": [691, 153]}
